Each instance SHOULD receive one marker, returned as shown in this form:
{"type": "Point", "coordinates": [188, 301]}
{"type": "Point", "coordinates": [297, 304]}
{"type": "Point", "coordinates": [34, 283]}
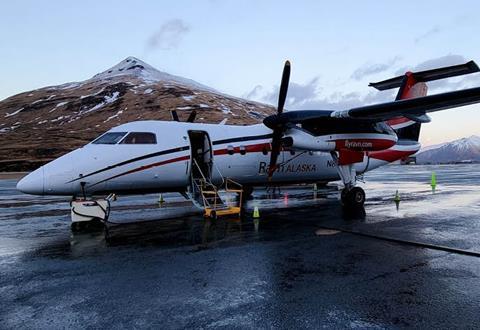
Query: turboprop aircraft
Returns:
{"type": "Point", "coordinates": [289, 147]}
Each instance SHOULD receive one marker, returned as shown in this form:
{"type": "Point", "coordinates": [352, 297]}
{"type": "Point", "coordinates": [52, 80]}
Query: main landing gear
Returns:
{"type": "Point", "coordinates": [351, 195]}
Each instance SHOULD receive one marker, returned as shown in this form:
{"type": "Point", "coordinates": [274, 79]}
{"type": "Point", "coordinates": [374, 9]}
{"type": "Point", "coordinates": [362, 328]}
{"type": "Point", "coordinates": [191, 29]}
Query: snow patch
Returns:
{"type": "Point", "coordinates": [148, 91]}
{"type": "Point", "coordinates": [203, 105]}
{"type": "Point", "coordinates": [13, 113]}
{"type": "Point", "coordinates": [225, 109]}
{"type": "Point", "coordinates": [119, 112]}
{"type": "Point", "coordinates": [94, 94]}
{"type": "Point", "coordinates": [107, 100]}
{"type": "Point", "coordinates": [61, 104]}
{"type": "Point", "coordinates": [188, 98]}
{"type": "Point", "coordinates": [184, 108]}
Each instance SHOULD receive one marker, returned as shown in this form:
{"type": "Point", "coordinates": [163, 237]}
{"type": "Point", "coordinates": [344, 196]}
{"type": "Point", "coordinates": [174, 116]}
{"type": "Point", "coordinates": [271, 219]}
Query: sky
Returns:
{"type": "Point", "coordinates": [238, 47]}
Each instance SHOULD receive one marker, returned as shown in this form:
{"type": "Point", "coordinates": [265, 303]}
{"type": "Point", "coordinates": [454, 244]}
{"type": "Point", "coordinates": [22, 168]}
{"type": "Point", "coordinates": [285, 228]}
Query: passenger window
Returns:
{"type": "Point", "coordinates": [243, 150]}
{"type": "Point", "coordinates": [139, 138]}
{"type": "Point", "coordinates": [110, 138]}
{"type": "Point", "coordinates": [230, 150]}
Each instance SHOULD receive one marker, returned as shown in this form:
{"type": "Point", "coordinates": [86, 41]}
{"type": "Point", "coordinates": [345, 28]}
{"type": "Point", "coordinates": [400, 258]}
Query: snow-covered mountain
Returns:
{"type": "Point", "coordinates": [133, 67]}
{"type": "Point", "coordinates": [462, 150]}
{"type": "Point", "coordinates": [42, 124]}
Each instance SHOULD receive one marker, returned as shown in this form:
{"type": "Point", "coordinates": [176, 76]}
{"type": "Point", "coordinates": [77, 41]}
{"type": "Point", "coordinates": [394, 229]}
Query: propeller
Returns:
{"type": "Point", "coordinates": [190, 119]}
{"type": "Point", "coordinates": [275, 124]}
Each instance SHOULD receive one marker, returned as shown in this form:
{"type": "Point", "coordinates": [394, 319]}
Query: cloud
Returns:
{"type": "Point", "coordinates": [370, 69]}
{"type": "Point", "coordinates": [169, 35]}
{"type": "Point", "coordinates": [433, 31]}
{"type": "Point", "coordinates": [309, 96]}
{"type": "Point", "coordinates": [437, 62]}
{"type": "Point", "coordinates": [443, 85]}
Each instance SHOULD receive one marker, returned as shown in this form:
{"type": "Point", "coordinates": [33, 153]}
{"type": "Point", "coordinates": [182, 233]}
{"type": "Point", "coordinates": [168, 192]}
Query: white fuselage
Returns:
{"type": "Point", "coordinates": [238, 152]}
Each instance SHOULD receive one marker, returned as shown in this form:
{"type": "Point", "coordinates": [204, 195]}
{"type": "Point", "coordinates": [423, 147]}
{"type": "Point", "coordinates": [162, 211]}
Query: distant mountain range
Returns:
{"type": "Point", "coordinates": [462, 150]}
{"type": "Point", "coordinates": [39, 125]}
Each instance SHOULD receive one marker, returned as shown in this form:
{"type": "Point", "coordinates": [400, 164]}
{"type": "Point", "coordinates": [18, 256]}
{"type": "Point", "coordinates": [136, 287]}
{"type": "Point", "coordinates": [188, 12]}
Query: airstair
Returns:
{"type": "Point", "coordinates": [206, 195]}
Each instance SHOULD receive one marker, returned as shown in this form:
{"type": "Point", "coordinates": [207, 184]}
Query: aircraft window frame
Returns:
{"type": "Point", "coordinates": [243, 150]}
{"type": "Point", "coordinates": [101, 138]}
{"type": "Point", "coordinates": [150, 134]}
{"type": "Point", "coordinates": [230, 150]}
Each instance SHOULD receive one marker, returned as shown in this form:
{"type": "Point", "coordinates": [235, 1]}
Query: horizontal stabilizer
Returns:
{"type": "Point", "coordinates": [429, 75]}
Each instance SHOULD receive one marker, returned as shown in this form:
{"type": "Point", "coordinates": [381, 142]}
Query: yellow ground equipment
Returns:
{"type": "Point", "coordinates": [214, 205]}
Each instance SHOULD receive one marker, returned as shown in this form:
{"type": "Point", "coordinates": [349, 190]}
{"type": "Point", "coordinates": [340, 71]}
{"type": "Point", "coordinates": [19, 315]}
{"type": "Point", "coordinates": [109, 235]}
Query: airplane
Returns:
{"type": "Point", "coordinates": [289, 147]}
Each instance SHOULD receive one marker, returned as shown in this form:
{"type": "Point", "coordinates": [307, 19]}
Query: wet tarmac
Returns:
{"type": "Point", "coordinates": [297, 266]}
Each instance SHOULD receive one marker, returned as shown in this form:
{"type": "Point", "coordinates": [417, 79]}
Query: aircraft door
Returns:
{"type": "Point", "coordinates": [202, 155]}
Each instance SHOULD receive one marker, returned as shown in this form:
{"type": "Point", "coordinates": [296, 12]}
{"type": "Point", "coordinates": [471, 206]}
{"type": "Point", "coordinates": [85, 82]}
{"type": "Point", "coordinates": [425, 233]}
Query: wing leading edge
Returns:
{"type": "Point", "coordinates": [412, 107]}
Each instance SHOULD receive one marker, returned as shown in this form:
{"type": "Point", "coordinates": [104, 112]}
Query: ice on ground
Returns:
{"type": "Point", "coordinates": [13, 113]}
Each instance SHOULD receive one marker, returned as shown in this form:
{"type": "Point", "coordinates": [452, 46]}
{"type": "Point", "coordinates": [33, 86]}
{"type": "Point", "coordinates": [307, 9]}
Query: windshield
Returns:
{"type": "Point", "coordinates": [140, 138]}
{"type": "Point", "coordinates": [110, 138]}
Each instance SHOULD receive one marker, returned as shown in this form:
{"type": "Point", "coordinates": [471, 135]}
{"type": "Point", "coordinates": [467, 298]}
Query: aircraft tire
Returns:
{"type": "Point", "coordinates": [213, 215]}
{"type": "Point", "coordinates": [354, 197]}
{"type": "Point", "coordinates": [77, 227]}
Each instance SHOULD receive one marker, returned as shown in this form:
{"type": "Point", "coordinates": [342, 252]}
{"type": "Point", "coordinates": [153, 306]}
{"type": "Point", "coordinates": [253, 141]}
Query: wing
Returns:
{"type": "Point", "coordinates": [411, 107]}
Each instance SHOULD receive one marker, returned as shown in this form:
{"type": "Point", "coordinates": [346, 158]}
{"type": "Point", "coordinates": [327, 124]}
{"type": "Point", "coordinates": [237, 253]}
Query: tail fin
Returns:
{"type": "Point", "coordinates": [412, 85]}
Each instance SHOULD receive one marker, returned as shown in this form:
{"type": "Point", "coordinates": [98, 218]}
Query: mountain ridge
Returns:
{"type": "Point", "coordinates": [461, 150]}
{"type": "Point", "coordinates": [39, 125]}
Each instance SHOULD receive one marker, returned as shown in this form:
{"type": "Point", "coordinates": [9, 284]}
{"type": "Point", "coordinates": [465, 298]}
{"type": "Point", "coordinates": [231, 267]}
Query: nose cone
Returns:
{"type": "Point", "coordinates": [33, 183]}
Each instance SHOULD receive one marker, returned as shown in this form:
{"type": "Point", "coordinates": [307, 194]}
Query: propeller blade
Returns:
{"type": "Point", "coordinates": [276, 146]}
{"type": "Point", "coordinates": [191, 117]}
{"type": "Point", "coordinates": [174, 115]}
{"type": "Point", "coordinates": [282, 96]}
{"type": "Point", "coordinates": [274, 124]}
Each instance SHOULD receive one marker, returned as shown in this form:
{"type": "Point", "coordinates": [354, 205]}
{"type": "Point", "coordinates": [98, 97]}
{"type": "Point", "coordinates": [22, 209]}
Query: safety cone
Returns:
{"type": "Point", "coordinates": [397, 197]}
{"type": "Point", "coordinates": [433, 181]}
{"type": "Point", "coordinates": [256, 213]}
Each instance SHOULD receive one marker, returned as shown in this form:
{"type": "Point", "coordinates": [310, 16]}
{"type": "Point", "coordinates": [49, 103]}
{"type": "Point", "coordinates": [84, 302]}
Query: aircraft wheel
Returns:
{"type": "Point", "coordinates": [213, 215]}
{"type": "Point", "coordinates": [354, 197]}
{"type": "Point", "coordinates": [77, 227]}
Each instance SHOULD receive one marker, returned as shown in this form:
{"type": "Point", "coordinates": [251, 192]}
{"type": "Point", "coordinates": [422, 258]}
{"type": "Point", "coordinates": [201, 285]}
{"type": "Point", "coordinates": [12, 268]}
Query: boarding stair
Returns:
{"type": "Point", "coordinates": [206, 195]}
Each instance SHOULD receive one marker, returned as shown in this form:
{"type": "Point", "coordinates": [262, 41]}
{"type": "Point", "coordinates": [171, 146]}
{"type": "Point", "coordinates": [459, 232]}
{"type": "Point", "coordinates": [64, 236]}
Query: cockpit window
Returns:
{"type": "Point", "coordinates": [139, 138]}
{"type": "Point", "coordinates": [110, 138]}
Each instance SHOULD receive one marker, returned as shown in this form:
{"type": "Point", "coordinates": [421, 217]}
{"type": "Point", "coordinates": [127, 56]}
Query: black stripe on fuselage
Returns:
{"type": "Point", "coordinates": [155, 154]}
{"type": "Point", "coordinates": [243, 138]}
{"type": "Point", "coordinates": [169, 151]}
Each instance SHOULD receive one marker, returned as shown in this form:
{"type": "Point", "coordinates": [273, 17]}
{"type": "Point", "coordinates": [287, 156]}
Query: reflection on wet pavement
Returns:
{"type": "Point", "coordinates": [165, 266]}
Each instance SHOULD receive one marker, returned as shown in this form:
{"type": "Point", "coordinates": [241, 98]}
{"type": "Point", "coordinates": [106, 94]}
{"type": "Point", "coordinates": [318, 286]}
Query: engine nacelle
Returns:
{"type": "Point", "coordinates": [301, 140]}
